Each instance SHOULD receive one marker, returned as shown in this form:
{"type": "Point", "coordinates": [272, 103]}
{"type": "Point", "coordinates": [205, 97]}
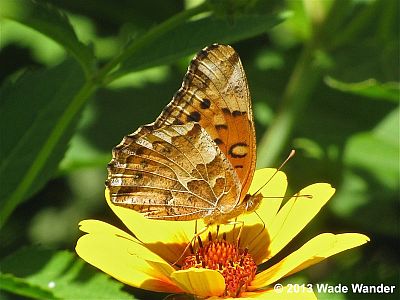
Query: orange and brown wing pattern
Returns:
{"type": "Point", "coordinates": [175, 172]}
{"type": "Point", "coordinates": [215, 94]}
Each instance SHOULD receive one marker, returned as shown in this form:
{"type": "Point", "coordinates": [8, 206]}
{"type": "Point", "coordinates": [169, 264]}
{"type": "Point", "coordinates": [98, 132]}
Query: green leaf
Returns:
{"type": "Point", "coordinates": [369, 88]}
{"type": "Point", "coordinates": [20, 287]}
{"type": "Point", "coordinates": [56, 274]}
{"type": "Point", "coordinates": [377, 152]}
{"type": "Point", "coordinates": [51, 22]}
{"type": "Point", "coordinates": [191, 36]}
{"type": "Point", "coordinates": [39, 115]}
{"type": "Point", "coordinates": [371, 177]}
{"type": "Point", "coordinates": [375, 155]}
{"type": "Point", "coordinates": [388, 129]}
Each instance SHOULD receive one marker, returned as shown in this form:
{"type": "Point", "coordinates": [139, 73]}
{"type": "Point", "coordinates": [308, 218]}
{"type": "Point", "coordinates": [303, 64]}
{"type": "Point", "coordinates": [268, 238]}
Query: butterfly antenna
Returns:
{"type": "Point", "coordinates": [291, 154]}
{"type": "Point", "coordinates": [296, 197]}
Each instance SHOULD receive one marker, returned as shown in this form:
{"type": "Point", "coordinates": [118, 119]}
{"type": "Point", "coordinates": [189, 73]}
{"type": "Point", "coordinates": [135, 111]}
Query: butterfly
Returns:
{"type": "Point", "coordinates": [197, 159]}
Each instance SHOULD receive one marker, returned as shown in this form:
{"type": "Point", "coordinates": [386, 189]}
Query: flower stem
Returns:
{"type": "Point", "coordinates": [296, 95]}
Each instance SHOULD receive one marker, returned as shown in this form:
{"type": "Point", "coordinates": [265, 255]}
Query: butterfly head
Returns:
{"type": "Point", "coordinates": [252, 202]}
{"type": "Point", "coordinates": [249, 204]}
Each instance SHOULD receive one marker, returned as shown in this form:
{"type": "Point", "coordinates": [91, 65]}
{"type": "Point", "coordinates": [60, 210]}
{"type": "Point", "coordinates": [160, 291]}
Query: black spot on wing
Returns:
{"type": "Point", "coordinates": [218, 141]}
{"type": "Point", "coordinates": [206, 103]}
{"type": "Point", "coordinates": [221, 126]}
{"type": "Point", "coordinates": [237, 113]}
{"type": "Point", "coordinates": [226, 111]}
{"type": "Point", "coordinates": [177, 122]}
{"type": "Point", "coordinates": [194, 116]}
{"type": "Point", "coordinates": [140, 151]}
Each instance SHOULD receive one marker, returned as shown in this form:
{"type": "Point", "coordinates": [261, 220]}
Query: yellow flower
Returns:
{"type": "Point", "coordinates": [146, 260]}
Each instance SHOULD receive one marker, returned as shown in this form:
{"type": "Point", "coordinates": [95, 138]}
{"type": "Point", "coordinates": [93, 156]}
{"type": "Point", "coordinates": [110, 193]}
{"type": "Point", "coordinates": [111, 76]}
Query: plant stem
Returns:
{"type": "Point", "coordinates": [36, 167]}
{"type": "Point", "coordinates": [306, 75]}
{"type": "Point", "coordinates": [151, 35]}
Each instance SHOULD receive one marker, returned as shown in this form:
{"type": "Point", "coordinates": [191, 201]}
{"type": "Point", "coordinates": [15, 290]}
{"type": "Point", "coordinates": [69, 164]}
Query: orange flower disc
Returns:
{"type": "Point", "coordinates": [236, 265]}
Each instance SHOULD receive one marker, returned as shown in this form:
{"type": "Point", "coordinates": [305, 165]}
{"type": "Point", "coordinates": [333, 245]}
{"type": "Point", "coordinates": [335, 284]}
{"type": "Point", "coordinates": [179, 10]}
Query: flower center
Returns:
{"type": "Point", "coordinates": [236, 265]}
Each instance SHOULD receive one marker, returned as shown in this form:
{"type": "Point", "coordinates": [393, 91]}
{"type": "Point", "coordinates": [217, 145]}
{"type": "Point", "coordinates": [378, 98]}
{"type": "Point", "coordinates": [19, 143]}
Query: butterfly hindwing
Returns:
{"type": "Point", "coordinates": [175, 172]}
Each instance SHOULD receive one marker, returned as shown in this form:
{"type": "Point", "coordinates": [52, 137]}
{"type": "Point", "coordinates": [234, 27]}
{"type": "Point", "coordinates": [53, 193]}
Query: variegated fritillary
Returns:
{"type": "Point", "coordinates": [197, 159]}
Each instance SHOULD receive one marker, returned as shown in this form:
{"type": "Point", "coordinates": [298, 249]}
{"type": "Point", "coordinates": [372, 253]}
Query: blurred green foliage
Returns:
{"type": "Point", "coordinates": [79, 75]}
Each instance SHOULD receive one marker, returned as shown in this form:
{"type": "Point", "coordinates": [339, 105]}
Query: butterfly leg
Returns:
{"type": "Point", "coordinates": [195, 237]}
{"type": "Point", "coordinates": [234, 223]}
{"type": "Point", "coordinates": [241, 223]}
{"type": "Point", "coordinates": [195, 232]}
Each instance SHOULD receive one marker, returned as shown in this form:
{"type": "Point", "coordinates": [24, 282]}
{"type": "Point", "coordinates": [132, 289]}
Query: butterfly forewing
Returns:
{"type": "Point", "coordinates": [215, 94]}
{"type": "Point", "coordinates": [174, 172]}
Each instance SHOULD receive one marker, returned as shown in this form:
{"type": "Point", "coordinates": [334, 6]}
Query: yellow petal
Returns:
{"type": "Point", "coordinates": [100, 227]}
{"type": "Point", "coordinates": [339, 243]}
{"type": "Point", "coordinates": [166, 238]}
{"type": "Point", "coordinates": [124, 258]}
{"type": "Point", "coordinates": [296, 214]}
{"type": "Point", "coordinates": [200, 282]}
{"type": "Point", "coordinates": [314, 251]}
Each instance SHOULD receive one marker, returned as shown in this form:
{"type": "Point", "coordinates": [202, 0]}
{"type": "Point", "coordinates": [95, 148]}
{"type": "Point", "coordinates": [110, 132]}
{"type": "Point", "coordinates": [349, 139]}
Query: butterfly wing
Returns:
{"type": "Point", "coordinates": [215, 94]}
{"type": "Point", "coordinates": [175, 172]}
